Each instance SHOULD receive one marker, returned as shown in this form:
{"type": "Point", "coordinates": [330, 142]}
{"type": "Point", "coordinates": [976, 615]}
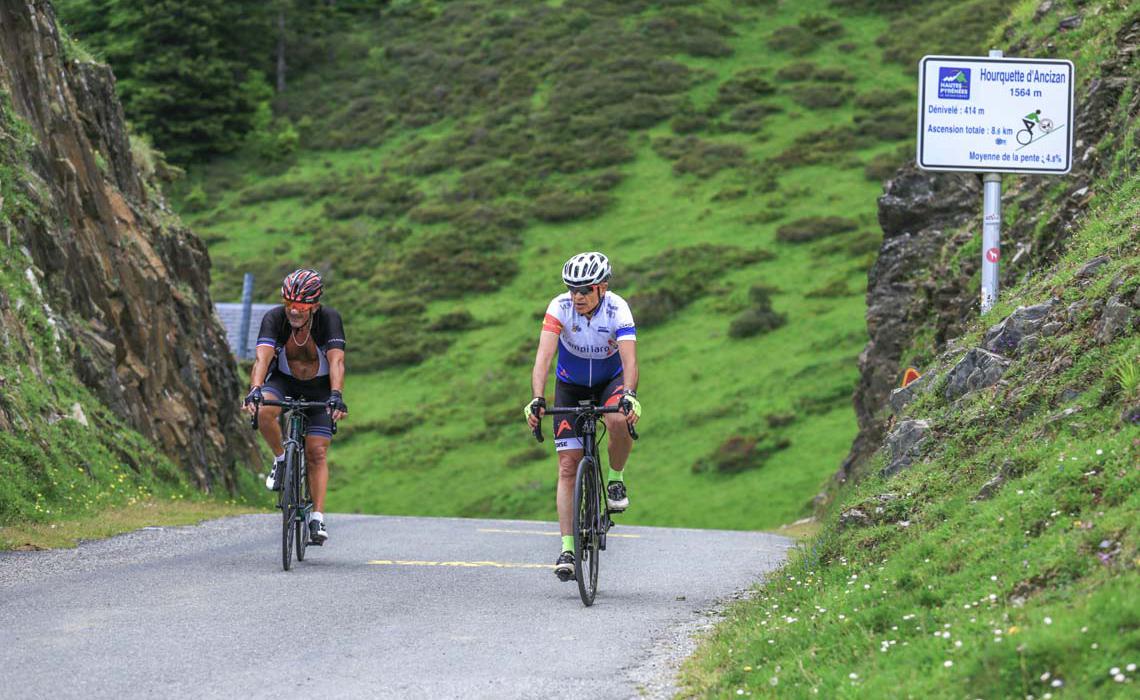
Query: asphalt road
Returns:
{"type": "Point", "coordinates": [391, 607]}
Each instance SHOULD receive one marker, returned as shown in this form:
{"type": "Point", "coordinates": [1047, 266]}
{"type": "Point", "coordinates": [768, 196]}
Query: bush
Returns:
{"type": "Point", "coordinates": [558, 206]}
{"type": "Point", "coordinates": [534, 453]}
{"type": "Point", "coordinates": [887, 126]}
{"type": "Point", "coordinates": [688, 123]}
{"type": "Point", "coordinates": [855, 246]}
{"type": "Point", "coordinates": [779, 420]}
{"type": "Point", "coordinates": [740, 453]}
{"type": "Point", "coordinates": [813, 228]}
{"type": "Point", "coordinates": [834, 74]}
{"type": "Point", "coordinates": [746, 86]}
{"type": "Point", "coordinates": [756, 321]}
{"type": "Point", "coordinates": [708, 159]}
{"type": "Point", "coordinates": [459, 320]}
{"type": "Point", "coordinates": [833, 289]}
{"type": "Point", "coordinates": [656, 307]}
{"type": "Point", "coordinates": [797, 72]}
{"type": "Point", "coordinates": [879, 99]}
{"type": "Point", "coordinates": [792, 39]}
{"type": "Point", "coordinates": [274, 190]}
{"type": "Point", "coordinates": [820, 96]}
{"type": "Point", "coordinates": [822, 26]}
{"type": "Point", "coordinates": [749, 118]}
{"type": "Point", "coordinates": [397, 343]}
{"type": "Point", "coordinates": [883, 165]}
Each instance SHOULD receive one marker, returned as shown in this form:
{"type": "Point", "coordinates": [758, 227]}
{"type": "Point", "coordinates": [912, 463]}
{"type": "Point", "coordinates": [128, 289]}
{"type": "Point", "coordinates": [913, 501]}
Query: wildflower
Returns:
{"type": "Point", "coordinates": [1048, 620]}
{"type": "Point", "coordinates": [1119, 678]}
{"type": "Point", "coordinates": [1100, 452]}
{"type": "Point", "coordinates": [853, 676]}
{"type": "Point", "coordinates": [1057, 683]}
{"type": "Point", "coordinates": [1131, 668]}
{"type": "Point", "coordinates": [1114, 670]}
{"type": "Point", "coordinates": [1046, 676]}
{"type": "Point", "coordinates": [947, 663]}
{"type": "Point", "coordinates": [773, 681]}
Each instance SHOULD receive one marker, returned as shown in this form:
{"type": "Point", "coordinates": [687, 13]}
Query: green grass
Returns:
{"type": "Point", "coordinates": [70, 531]}
{"type": "Point", "coordinates": [1031, 591]}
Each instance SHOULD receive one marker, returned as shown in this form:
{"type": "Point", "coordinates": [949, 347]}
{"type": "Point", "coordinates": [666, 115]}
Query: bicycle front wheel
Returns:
{"type": "Point", "coordinates": [288, 508]}
{"type": "Point", "coordinates": [586, 535]}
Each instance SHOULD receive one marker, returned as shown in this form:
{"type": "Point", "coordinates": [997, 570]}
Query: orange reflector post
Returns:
{"type": "Point", "coordinates": [909, 376]}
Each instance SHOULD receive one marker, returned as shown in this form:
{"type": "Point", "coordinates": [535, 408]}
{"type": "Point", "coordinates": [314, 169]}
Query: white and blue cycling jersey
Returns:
{"type": "Point", "coordinates": [588, 347]}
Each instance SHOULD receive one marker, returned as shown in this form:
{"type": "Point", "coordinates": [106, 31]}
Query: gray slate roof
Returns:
{"type": "Point", "coordinates": [230, 316]}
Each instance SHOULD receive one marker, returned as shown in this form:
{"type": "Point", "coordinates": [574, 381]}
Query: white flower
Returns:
{"type": "Point", "coordinates": [947, 663]}
{"type": "Point", "coordinates": [740, 691]}
{"type": "Point", "coordinates": [1048, 620]}
{"type": "Point", "coordinates": [1057, 683]}
{"type": "Point", "coordinates": [1114, 670]}
{"type": "Point", "coordinates": [1100, 452]}
{"type": "Point", "coordinates": [1131, 667]}
{"type": "Point", "coordinates": [853, 676]}
{"type": "Point", "coordinates": [958, 643]}
{"type": "Point", "coordinates": [1046, 676]}
{"type": "Point", "coordinates": [1119, 678]}
{"type": "Point", "coordinates": [773, 680]}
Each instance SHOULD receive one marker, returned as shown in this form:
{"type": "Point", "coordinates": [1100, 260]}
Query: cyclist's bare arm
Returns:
{"type": "Point", "coordinates": [547, 346]}
{"type": "Point", "coordinates": [336, 375]}
{"type": "Point", "coordinates": [265, 355]}
{"type": "Point", "coordinates": [627, 349]}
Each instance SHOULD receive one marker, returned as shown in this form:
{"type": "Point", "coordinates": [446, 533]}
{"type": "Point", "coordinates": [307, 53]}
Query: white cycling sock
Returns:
{"type": "Point", "coordinates": [317, 515]}
{"type": "Point", "coordinates": [280, 459]}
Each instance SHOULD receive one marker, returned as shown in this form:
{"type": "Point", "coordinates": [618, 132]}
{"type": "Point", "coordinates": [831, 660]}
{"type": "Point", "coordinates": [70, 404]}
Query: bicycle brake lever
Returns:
{"type": "Point", "coordinates": [537, 432]}
{"type": "Point", "coordinates": [632, 431]}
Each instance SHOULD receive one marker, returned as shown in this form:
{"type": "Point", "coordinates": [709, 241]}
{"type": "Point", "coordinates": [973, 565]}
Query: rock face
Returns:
{"type": "Point", "coordinates": [126, 281]}
{"type": "Point", "coordinates": [1026, 321]}
{"type": "Point", "coordinates": [905, 444]}
{"type": "Point", "coordinates": [919, 214]}
{"type": "Point", "coordinates": [977, 370]}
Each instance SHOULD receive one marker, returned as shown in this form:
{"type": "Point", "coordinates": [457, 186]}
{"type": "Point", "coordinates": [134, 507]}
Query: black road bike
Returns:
{"type": "Point", "coordinates": [591, 511]}
{"type": "Point", "coordinates": [293, 499]}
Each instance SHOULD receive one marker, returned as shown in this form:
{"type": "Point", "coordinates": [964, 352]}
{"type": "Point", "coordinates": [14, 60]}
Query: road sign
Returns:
{"type": "Point", "coordinates": [995, 115]}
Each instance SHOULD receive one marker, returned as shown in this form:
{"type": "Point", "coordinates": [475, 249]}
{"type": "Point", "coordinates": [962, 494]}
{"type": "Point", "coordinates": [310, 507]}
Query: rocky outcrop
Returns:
{"type": "Point", "coordinates": [1026, 322]}
{"type": "Point", "coordinates": [977, 370]}
{"type": "Point", "coordinates": [905, 444]}
{"type": "Point", "coordinates": [126, 283]}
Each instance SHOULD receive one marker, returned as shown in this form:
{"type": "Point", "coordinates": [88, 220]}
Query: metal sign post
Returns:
{"type": "Point", "coordinates": [246, 311]}
{"type": "Point", "coordinates": [994, 115]}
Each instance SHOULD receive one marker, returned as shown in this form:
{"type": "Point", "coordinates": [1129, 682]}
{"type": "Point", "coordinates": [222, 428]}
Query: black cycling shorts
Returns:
{"type": "Point", "coordinates": [278, 386]}
{"type": "Point", "coordinates": [566, 435]}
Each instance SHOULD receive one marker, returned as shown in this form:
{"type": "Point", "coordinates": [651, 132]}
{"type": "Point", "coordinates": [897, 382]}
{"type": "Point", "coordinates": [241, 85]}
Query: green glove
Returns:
{"type": "Point", "coordinates": [531, 409]}
{"type": "Point", "coordinates": [630, 404]}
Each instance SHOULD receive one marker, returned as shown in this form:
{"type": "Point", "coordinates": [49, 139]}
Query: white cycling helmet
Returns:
{"type": "Point", "coordinates": [586, 268]}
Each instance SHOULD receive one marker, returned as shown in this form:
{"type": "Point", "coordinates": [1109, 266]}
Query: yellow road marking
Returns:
{"type": "Point", "coordinates": [461, 564]}
{"type": "Point", "coordinates": [552, 534]}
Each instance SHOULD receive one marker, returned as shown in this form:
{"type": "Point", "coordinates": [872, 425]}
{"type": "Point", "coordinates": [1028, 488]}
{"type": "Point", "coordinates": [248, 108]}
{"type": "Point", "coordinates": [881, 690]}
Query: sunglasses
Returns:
{"type": "Point", "coordinates": [584, 291]}
{"type": "Point", "coordinates": [299, 306]}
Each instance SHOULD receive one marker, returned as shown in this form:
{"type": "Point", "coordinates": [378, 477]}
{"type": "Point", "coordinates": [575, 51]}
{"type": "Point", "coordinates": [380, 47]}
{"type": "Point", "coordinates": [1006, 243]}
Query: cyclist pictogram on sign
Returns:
{"type": "Point", "coordinates": [993, 254]}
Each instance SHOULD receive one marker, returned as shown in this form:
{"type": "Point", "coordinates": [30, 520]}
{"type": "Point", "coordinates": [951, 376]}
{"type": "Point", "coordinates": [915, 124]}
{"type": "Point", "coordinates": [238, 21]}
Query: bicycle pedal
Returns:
{"type": "Point", "coordinates": [564, 577]}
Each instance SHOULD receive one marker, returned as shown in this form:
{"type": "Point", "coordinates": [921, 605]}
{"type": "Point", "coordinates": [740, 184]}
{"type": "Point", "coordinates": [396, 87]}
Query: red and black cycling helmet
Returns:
{"type": "Point", "coordinates": [303, 285]}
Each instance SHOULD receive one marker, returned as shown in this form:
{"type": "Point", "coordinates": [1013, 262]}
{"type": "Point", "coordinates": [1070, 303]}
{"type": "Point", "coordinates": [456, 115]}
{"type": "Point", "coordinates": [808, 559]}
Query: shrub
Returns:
{"type": "Point", "coordinates": [854, 246]}
{"type": "Point", "coordinates": [878, 99]}
{"type": "Point", "coordinates": [746, 86]}
{"type": "Point", "coordinates": [834, 74]}
{"type": "Point", "coordinates": [779, 420]}
{"type": "Point", "coordinates": [749, 118]}
{"type": "Point", "coordinates": [835, 288]}
{"type": "Point", "coordinates": [825, 401]}
{"type": "Point", "coordinates": [400, 342]}
{"type": "Point", "coordinates": [883, 165]}
{"type": "Point", "coordinates": [740, 453]}
{"type": "Point", "coordinates": [887, 126]}
{"type": "Point", "coordinates": [822, 26]}
{"type": "Point", "coordinates": [708, 159]}
{"type": "Point", "coordinates": [603, 181]}
{"type": "Point", "coordinates": [793, 39]}
{"type": "Point", "coordinates": [813, 228]}
{"type": "Point", "coordinates": [459, 320]}
{"type": "Point", "coordinates": [559, 206]}
{"type": "Point", "coordinates": [796, 72]}
{"type": "Point", "coordinates": [688, 123]}
{"type": "Point", "coordinates": [656, 307]}
{"type": "Point", "coordinates": [756, 321]}
{"type": "Point", "coordinates": [275, 189]}
{"type": "Point", "coordinates": [534, 453]}
{"type": "Point", "coordinates": [820, 96]}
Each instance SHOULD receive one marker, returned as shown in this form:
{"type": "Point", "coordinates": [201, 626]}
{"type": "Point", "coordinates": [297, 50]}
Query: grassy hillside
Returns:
{"type": "Point", "coordinates": [725, 155]}
{"type": "Point", "coordinates": [1003, 563]}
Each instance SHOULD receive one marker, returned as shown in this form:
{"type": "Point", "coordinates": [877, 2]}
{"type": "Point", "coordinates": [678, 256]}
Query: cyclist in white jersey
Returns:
{"type": "Point", "coordinates": [592, 330]}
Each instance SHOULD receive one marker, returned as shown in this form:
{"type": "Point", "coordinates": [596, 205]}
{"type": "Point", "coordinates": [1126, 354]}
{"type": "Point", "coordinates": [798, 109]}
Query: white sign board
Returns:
{"type": "Point", "coordinates": [995, 115]}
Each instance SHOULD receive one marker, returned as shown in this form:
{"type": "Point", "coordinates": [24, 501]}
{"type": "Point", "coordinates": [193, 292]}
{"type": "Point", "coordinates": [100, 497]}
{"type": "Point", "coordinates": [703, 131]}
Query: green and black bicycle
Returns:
{"type": "Point", "coordinates": [294, 500]}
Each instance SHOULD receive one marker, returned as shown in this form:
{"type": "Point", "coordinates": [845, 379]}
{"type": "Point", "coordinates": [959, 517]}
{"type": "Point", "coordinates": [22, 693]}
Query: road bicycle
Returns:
{"type": "Point", "coordinates": [591, 512]}
{"type": "Point", "coordinates": [293, 499]}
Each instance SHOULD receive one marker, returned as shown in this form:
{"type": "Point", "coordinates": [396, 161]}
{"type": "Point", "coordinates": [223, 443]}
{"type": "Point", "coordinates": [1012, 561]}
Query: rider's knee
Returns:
{"type": "Point", "coordinates": [615, 423]}
{"type": "Point", "coordinates": [567, 465]}
{"type": "Point", "coordinates": [316, 452]}
{"type": "Point", "coordinates": [267, 416]}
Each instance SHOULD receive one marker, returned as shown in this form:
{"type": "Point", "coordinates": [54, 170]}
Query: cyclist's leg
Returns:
{"type": "Point", "coordinates": [275, 388]}
{"type": "Point", "coordinates": [620, 443]}
{"type": "Point", "coordinates": [316, 461]}
{"type": "Point", "coordinates": [569, 446]}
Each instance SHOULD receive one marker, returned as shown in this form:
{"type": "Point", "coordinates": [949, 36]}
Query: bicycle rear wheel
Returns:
{"type": "Point", "coordinates": [302, 532]}
{"type": "Point", "coordinates": [586, 504]}
{"type": "Point", "coordinates": [288, 508]}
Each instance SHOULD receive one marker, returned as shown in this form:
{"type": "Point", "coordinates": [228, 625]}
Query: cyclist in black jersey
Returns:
{"type": "Point", "coordinates": [300, 352]}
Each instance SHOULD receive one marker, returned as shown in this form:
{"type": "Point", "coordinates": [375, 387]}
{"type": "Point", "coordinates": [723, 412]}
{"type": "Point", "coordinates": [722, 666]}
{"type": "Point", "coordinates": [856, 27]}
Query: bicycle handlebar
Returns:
{"type": "Point", "coordinates": [288, 405]}
{"type": "Point", "coordinates": [579, 411]}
